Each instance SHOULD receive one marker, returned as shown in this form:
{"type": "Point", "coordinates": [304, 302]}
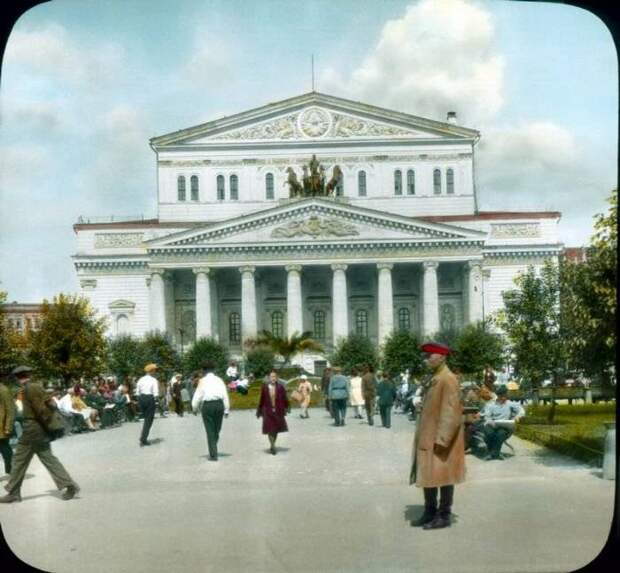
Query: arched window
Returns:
{"type": "Point", "coordinates": [234, 187]}
{"type": "Point", "coordinates": [269, 186]}
{"type": "Point", "coordinates": [234, 328]}
{"type": "Point", "coordinates": [404, 319]}
{"type": "Point", "coordinates": [122, 324]}
{"type": "Point", "coordinates": [361, 322]}
{"type": "Point", "coordinates": [450, 181]}
{"type": "Point", "coordinates": [361, 183]}
{"type": "Point", "coordinates": [277, 323]}
{"type": "Point", "coordinates": [437, 182]}
{"type": "Point", "coordinates": [398, 182]}
{"type": "Point", "coordinates": [339, 190]}
{"type": "Point", "coordinates": [221, 193]}
{"type": "Point", "coordinates": [410, 182]}
{"type": "Point", "coordinates": [193, 182]}
{"type": "Point", "coordinates": [319, 325]}
{"type": "Point", "coordinates": [181, 188]}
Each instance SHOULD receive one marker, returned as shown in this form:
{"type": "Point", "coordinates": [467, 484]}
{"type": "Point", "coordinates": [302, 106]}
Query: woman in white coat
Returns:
{"type": "Point", "coordinates": [356, 399]}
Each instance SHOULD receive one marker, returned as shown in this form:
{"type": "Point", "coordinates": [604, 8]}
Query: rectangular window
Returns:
{"type": "Point", "coordinates": [437, 182]}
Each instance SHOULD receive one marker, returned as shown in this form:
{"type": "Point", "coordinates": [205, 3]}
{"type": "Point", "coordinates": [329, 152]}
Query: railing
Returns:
{"type": "Point", "coordinates": [110, 219]}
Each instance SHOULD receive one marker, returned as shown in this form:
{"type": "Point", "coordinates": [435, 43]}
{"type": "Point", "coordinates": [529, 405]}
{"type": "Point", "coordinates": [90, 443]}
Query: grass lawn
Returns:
{"type": "Point", "coordinates": [250, 401]}
{"type": "Point", "coordinates": [577, 431]}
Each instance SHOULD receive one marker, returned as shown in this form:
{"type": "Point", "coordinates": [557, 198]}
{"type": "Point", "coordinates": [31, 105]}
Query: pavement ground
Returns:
{"type": "Point", "coordinates": [333, 499]}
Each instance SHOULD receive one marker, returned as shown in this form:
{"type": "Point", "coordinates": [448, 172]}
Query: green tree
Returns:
{"type": "Point", "coordinates": [401, 352]}
{"type": "Point", "coordinates": [203, 350]}
{"type": "Point", "coordinates": [588, 299]}
{"type": "Point", "coordinates": [70, 341]}
{"type": "Point", "coordinates": [353, 351]}
{"type": "Point", "coordinates": [12, 347]}
{"type": "Point", "coordinates": [475, 347]}
{"type": "Point", "coordinates": [286, 347]}
{"type": "Point", "coordinates": [125, 356]}
{"type": "Point", "coordinates": [157, 347]}
{"type": "Point", "coordinates": [259, 361]}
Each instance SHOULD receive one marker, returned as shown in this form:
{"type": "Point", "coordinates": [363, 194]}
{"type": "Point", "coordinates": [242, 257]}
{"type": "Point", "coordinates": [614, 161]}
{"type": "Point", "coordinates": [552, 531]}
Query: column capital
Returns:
{"type": "Point", "coordinates": [247, 269]}
{"type": "Point", "coordinates": [430, 265]}
{"type": "Point", "coordinates": [293, 268]}
{"type": "Point", "coordinates": [201, 270]}
{"type": "Point", "coordinates": [160, 272]}
{"type": "Point", "coordinates": [339, 267]}
{"type": "Point", "coordinates": [385, 266]}
{"type": "Point", "coordinates": [474, 264]}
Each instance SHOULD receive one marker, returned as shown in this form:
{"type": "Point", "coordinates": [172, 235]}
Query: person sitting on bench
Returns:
{"type": "Point", "coordinates": [499, 418]}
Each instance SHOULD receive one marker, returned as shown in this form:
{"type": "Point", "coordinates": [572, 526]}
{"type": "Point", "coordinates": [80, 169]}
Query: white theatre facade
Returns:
{"type": "Point", "coordinates": [399, 245]}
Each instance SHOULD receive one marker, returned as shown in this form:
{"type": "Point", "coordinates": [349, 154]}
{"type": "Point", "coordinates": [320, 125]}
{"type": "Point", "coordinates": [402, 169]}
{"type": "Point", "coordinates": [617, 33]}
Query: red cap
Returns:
{"type": "Point", "coordinates": [435, 348]}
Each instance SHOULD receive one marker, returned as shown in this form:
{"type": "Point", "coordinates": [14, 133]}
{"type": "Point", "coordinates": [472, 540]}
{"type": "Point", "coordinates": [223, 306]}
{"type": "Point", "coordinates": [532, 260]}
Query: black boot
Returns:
{"type": "Point", "coordinates": [444, 515]}
{"type": "Point", "coordinates": [430, 508]}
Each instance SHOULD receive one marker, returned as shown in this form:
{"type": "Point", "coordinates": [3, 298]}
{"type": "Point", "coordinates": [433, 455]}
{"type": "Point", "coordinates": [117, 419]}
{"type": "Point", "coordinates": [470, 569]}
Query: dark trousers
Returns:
{"type": "Point", "coordinates": [494, 438]}
{"type": "Point", "coordinates": [7, 454]}
{"type": "Point", "coordinates": [328, 406]}
{"type": "Point", "coordinates": [212, 416]}
{"type": "Point", "coordinates": [386, 415]}
{"type": "Point", "coordinates": [21, 461]}
{"type": "Point", "coordinates": [446, 496]}
{"type": "Point", "coordinates": [178, 405]}
{"type": "Point", "coordinates": [147, 406]}
{"type": "Point", "coordinates": [339, 408]}
{"type": "Point", "coordinates": [370, 410]}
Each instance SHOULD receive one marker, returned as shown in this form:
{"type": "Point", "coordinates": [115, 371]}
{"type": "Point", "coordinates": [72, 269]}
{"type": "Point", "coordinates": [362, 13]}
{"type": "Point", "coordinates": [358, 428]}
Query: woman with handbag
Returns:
{"type": "Point", "coordinates": [304, 391]}
{"type": "Point", "coordinates": [272, 407]}
{"type": "Point", "coordinates": [39, 414]}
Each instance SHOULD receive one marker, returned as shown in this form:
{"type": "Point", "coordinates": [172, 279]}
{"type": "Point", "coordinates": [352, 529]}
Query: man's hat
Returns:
{"type": "Point", "coordinates": [435, 348]}
{"type": "Point", "coordinates": [21, 370]}
{"type": "Point", "coordinates": [501, 391]}
{"type": "Point", "coordinates": [150, 367]}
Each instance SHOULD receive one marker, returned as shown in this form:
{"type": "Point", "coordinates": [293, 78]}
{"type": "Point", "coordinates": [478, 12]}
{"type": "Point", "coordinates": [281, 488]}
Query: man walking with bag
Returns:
{"type": "Point", "coordinates": [35, 439]}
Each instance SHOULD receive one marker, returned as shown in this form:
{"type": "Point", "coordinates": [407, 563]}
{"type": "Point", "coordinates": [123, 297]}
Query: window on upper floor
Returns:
{"type": "Point", "coordinates": [339, 190]}
{"type": "Point", "coordinates": [221, 191]}
{"type": "Point", "coordinates": [361, 322]}
{"type": "Point", "coordinates": [277, 323]}
{"type": "Point", "coordinates": [193, 183]}
{"type": "Point", "coordinates": [181, 188]}
{"type": "Point", "coordinates": [361, 183]}
{"type": "Point", "coordinates": [234, 328]}
{"type": "Point", "coordinates": [410, 182]}
{"type": "Point", "coordinates": [450, 181]}
{"type": "Point", "coordinates": [269, 186]}
{"type": "Point", "coordinates": [437, 182]}
{"type": "Point", "coordinates": [404, 319]}
{"type": "Point", "coordinates": [319, 325]}
{"type": "Point", "coordinates": [234, 187]}
{"type": "Point", "coordinates": [398, 182]}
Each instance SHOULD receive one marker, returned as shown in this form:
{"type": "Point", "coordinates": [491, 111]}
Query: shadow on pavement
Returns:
{"type": "Point", "coordinates": [156, 441]}
{"type": "Point", "coordinates": [413, 512]}
{"type": "Point", "coordinates": [553, 459]}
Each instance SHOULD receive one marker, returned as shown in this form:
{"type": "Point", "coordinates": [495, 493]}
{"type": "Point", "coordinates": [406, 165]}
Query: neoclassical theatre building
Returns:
{"type": "Point", "coordinates": [313, 213]}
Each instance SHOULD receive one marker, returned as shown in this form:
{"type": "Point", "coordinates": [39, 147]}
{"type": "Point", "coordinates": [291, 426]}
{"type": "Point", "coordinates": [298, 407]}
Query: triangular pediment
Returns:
{"type": "Point", "coordinates": [315, 117]}
{"type": "Point", "coordinates": [315, 220]}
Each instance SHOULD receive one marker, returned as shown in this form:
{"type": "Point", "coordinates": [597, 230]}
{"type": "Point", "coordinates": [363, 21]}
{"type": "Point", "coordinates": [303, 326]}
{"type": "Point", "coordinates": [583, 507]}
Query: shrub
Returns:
{"type": "Point", "coordinates": [475, 347]}
{"type": "Point", "coordinates": [354, 351]}
{"type": "Point", "coordinates": [203, 350]}
{"type": "Point", "coordinates": [157, 347]}
{"type": "Point", "coordinates": [259, 362]}
{"type": "Point", "coordinates": [124, 357]}
{"type": "Point", "coordinates": [401, 352]}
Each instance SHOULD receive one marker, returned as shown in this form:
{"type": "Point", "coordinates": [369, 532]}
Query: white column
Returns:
{"type": "Point", "coordinates": [474, 291]}
{"type": "Point", "coordinates": [248, 303]}
{"type": "Point", "coordinates": [293, 300]}
{"type": "Point", "coordinates": [386, 305]}
{"type": "Point", "coordinates": [340, 303]}
{"type": "Point", "coordinates": [431, 299]}
{"type": "Point", "coordinates": [157, 301]}
{"type": "Point", "coordinates": [204, 325]}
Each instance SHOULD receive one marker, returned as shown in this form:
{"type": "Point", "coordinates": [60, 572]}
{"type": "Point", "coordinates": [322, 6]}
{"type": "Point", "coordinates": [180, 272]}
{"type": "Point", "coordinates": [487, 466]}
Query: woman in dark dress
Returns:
{"type": "Point", "coordinates": [272, 407]}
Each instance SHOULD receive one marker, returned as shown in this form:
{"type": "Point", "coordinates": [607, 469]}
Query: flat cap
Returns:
{"type": "Point", "coordinates": [20, 370]}
{"type": "Point", "coordinates": [435, 348]}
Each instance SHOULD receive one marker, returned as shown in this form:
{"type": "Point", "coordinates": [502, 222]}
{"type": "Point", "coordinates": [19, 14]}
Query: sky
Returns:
{"type": "Point", "coordinates": [85, 85]}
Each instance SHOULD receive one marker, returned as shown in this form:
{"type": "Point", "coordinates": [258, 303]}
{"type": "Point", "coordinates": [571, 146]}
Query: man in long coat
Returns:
{"type": "Point", "coordinates": [438, 447]}
{"type": "Point", "coordinates": [7, 419]}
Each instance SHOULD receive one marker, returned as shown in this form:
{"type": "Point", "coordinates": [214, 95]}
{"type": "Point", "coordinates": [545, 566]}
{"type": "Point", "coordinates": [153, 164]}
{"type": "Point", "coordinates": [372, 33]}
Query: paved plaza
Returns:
{"type": "Point", "coordinates": [333, 500]}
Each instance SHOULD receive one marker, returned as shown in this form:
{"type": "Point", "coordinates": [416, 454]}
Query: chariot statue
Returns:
{"type": "Point", "coordinates": [313, 180]}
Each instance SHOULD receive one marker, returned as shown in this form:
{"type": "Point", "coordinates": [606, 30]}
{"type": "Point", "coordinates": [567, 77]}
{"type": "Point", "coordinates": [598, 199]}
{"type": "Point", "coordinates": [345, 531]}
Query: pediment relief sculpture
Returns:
{"type": "Point", "coordinates": [316, 227]}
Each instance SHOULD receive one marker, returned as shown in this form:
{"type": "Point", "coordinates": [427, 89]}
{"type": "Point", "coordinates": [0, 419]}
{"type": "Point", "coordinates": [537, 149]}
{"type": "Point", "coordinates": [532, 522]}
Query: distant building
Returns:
{"type": "Point", "coordinates": [576, 254]}
{"type": "Point", "coordinates": [22, 317]}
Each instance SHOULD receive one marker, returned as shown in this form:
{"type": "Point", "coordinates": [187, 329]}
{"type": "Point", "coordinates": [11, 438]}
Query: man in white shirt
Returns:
{"type": "Point", "coordinates": [211, 397]}
{"type": "Point", "coordinates": [147, 389]}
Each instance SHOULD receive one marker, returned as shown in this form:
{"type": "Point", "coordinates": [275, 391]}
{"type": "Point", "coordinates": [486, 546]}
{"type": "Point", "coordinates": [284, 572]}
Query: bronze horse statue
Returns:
{"type": "Point", "coordinates": [333, 182]}
{"type": "Point", "coordinates": [295, 187]}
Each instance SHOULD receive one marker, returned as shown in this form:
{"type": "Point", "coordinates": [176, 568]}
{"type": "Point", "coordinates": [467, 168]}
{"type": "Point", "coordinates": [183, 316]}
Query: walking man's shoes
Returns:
{"type": "Point", "coordinates": [438, 522]}
{"type": "Point", "coordinates": [425, 518]}
{"type": "Point", "coordinates": [10, 498]}
{"type": "Point", "coordinates": [145, 443]}
{"type": "Point", "coordinates": [70, 492]}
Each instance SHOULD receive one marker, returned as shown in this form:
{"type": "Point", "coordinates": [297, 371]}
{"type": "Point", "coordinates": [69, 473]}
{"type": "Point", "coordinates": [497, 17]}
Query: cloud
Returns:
{"type": "Point", "coordinates": [438, 57]}
{"type": "Point", "coordinates": [45, 116]}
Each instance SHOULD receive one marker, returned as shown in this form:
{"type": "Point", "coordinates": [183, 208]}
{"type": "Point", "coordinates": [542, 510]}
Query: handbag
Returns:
{"type": "Point", "coordinates": [55, 426]}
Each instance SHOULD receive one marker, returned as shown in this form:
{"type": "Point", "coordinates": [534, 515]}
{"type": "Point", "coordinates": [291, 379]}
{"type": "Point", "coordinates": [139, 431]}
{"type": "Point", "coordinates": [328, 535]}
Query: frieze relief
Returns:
{"type": "Point", "coordinates": [316, 227]}
{"type": "Point", "coordinates": [515, 230]}
{"type": "Point", "coordinates": [118, 240]}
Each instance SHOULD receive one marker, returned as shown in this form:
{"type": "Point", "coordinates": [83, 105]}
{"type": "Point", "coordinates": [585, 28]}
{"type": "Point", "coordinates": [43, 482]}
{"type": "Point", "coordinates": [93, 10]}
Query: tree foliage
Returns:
{"type": "Point", "coordinates": [203, 350]}
{"type": "Point", "coordinates": [13, 345]}
{"type": "Point", "coordinates": [157, 347]}
{"type": "Point", "coordinates": [286, 347]}
{"type": "Point", "coordinates": [353, 351]}
{"type": "Point", "coordinates": [70, 341]}
{"type": "Point", "coordinates": [475, 347]}
{"type": "Point", "coordinates": [401, 352]}
{"type": "Point", "coordinates": [259, 361]}
{"type": "Point", "coordinates": [125, 356]}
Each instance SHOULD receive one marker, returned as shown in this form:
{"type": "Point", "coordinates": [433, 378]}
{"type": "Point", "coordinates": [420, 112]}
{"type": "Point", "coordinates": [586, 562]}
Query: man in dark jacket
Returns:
{"type": "Point", "coordinates": [338, 395]}
{"type": "Point", "coordinates": [35, 440]}
{"type": "Point", "coordinates": [369, 392]}
{"type": "Point", "coordinates": [327, 374]}
{"type": "Point", "coordinates": [7, 419]}
{"type": "Point", "coordinates": [386, 392]}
